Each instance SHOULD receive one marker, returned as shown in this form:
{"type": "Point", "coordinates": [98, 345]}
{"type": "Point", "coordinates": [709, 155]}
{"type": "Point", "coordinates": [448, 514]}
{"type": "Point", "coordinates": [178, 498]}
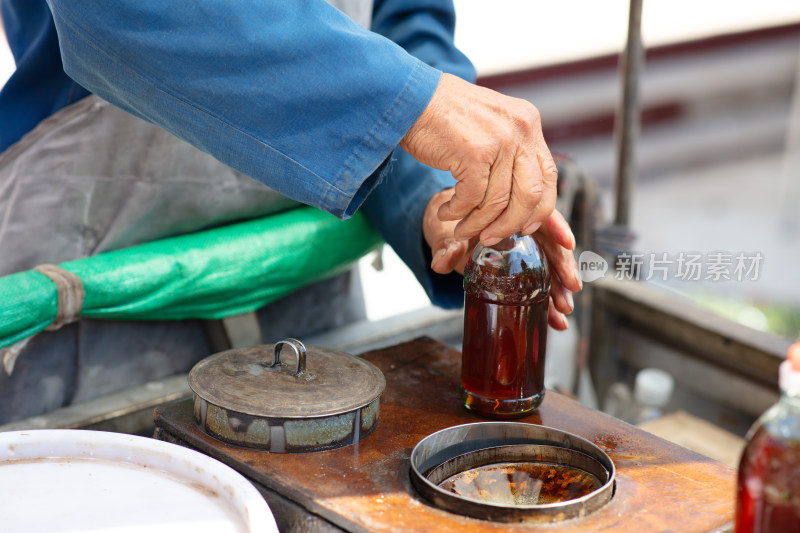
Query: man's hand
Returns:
{"type": "Point", "coordinates": [449, 253]}
{"type": "Point", "coordinates": [493, 146]}
{"type": "Point", "coordinates": [555, 237]}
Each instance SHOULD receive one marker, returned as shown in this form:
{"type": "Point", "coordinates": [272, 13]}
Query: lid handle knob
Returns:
{"type": "Point", "coordinates": [299, 349]}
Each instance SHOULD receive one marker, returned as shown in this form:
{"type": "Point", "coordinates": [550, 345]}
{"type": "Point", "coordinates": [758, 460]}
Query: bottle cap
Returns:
{"type": "Point", "coordinates": [794, 356]}
{"type": "Point", "coordinates": [789, 373]}
{"type": "Point", "coordinates": [653, 387]}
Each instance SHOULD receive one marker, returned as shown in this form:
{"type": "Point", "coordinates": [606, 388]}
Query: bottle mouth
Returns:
{"type": "Point", "coordinates": [525, 244]}
{"type": "Point", "coordinates": [509, 251]}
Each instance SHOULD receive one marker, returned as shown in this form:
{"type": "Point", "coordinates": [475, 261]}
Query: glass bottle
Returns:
{"type": "Point", "coordinates": [505, 328]}
{"type": "Point", "coordinates": [652, 391]}
{"type": "Point", "coordinates": [768, 488]}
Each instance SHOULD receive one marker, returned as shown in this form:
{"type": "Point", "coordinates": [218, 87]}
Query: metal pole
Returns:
{"type": "Point", "coordinates": [628, 120]}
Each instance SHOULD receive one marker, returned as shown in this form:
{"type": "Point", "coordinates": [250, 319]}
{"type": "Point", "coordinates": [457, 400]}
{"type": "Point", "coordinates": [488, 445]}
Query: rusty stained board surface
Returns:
{"type": "Point", "coordinates": [366, 487]}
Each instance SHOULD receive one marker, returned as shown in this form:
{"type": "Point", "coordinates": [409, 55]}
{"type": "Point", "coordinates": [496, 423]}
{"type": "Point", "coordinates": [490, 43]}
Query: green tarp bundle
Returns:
{"type": "Point", "coordinates": [207, 275]}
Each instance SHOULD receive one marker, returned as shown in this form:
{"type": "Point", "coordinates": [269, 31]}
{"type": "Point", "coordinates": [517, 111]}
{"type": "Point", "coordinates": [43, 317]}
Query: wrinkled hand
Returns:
{"type": "Point", "coordinates": [493, 146]}
{"type": "Point", "coordinates": [555, 237]}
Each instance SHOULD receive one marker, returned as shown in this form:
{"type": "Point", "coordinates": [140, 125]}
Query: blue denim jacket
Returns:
{"type": "Point", "coordinates": [293, 94]}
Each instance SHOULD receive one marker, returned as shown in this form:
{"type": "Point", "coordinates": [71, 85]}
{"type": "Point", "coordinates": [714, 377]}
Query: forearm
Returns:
{"type": "Point", "coordinates": [293, 94]}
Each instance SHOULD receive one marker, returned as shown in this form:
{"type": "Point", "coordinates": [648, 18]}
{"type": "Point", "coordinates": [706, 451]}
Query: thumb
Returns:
{"type": "Point", "coordinates": [451, 255]}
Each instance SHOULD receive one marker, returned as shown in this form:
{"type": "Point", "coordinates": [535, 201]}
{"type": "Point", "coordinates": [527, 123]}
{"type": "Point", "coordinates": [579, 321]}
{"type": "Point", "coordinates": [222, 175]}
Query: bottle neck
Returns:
{"type": "Point", "coordinates": [791, 396]}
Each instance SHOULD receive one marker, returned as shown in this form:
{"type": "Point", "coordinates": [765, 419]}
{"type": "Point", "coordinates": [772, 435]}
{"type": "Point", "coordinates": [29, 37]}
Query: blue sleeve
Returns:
{"type": "Point", "coordinates": [425, 29]}
{"type": "Point", "coordinates": [293, 94]}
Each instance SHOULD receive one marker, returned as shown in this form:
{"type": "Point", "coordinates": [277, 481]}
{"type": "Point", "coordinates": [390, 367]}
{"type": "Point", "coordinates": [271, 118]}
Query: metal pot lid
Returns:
{"type": "Point", "coordinates": [255, 381]}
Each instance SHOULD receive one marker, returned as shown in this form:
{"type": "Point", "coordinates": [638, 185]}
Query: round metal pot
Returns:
{"type": "Point", "coordinates": [512, 472]}
{"type": "Point", "coordinates": [249, 397]}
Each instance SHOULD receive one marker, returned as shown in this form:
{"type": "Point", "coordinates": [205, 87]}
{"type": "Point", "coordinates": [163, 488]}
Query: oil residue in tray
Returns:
{"type": "Point", "coordinates": [522, 483]}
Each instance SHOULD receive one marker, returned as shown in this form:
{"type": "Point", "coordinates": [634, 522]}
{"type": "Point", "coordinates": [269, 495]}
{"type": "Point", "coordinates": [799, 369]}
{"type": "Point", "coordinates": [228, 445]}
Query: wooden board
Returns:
{"type": "Point", "coordinates": [366, 487]}
{"type": "Point", "coordinates": [696, 434]}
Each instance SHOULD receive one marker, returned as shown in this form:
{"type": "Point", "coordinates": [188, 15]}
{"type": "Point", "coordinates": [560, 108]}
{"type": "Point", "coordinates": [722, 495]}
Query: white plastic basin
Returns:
{"type": "Point", "coordinates": [92, 481]}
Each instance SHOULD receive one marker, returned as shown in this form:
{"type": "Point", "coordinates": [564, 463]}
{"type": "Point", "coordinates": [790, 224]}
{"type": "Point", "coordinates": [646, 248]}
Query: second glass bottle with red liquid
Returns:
{"type": "Point", "coordinates": [768, 489]}
{"type": "Point", "coordinates": [507, 289]}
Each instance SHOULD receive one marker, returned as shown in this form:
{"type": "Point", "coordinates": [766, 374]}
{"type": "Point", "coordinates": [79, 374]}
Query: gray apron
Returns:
{"type": "Point", "coordinates": [93, 178]}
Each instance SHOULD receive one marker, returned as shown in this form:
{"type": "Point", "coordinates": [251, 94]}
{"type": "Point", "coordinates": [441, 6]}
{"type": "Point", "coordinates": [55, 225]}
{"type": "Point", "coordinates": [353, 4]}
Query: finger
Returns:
{"type": "Point", "coordinates": [461, 264]}
{"type": "Point", "coordinates": [549, 179]}
{"type": "Point", "coordinates": [448, 254]}
{"type": "Point", "coordinates": [542, 210]}
{"type": "Point", "coordinates": [561, 260]}
{"type": "Point", "coordinates": [498, 192]}
{"type": "Point", "coordinates": [546, 162]}
{"type": "Point", "coordinates": [557, 227]}
{"type": "Point", "coordinates": [469, 194]}
{"type": "Point", "coordinates": [526, 194]}
{"type": "Point", "coordinates": [561, 296]}
{"type": "Point", "coordinates": [555, 318]}
{"type": "Point", "coordinates": [455, 253]}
